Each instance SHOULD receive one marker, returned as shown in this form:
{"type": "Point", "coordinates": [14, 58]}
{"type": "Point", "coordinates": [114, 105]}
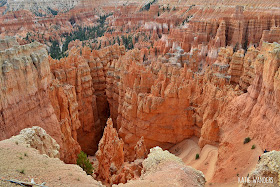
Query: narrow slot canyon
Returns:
{"type": "Point", "coordinates": [89, 80]}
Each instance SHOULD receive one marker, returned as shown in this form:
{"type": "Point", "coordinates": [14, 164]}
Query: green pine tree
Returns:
{"type": "Point", "coordinates": [55, 51]}
{"type": "Point", "coordinates": [84, 163]}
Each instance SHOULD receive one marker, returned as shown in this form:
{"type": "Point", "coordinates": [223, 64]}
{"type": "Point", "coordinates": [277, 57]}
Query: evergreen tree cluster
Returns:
{"type": "Point", "coordinates": [40, 14]}
{"type": "Point", "coordinates": [84, 163]}
{"type": "Point", "coordinates": [72, 20]}
{"type": "Point", "coordinates": [127, 41]}
{"type": "Point", "coordinates": [55, 51]}
{"type": "Point", "coordinates": [28, 37]}
{"type": "Point", "coordinates": [82, 34]}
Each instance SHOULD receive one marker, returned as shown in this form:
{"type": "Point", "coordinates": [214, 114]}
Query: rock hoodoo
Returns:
{"type": "Point", "coordinates": [110, 154]}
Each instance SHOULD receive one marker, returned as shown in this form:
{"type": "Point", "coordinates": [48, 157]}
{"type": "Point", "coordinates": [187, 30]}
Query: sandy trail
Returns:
{"type": "Point", "coordinates": [208, 156]}
{"type": "Point", "coordinates": [187, 150]}
{"type": "Point", "coordinates": [207, 161]}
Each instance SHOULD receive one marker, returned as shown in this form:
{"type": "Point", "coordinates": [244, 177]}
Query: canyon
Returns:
{"type": "Point", "coordinates": [150, 90]}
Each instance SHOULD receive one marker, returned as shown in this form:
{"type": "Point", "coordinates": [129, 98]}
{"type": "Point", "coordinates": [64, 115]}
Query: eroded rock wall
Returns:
{"type": "Point", "coordinates": [166, 102]}
{"type": "Point", "coordinates": [74, 71]}
{"type": "Point", "coordinates": [25, 96]}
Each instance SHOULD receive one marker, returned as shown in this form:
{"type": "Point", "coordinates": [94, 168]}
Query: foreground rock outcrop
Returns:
{"type": "Point", "coordinates": [37, 138]}
{"type": "Point", "coordinates": [112, 168]}
{"type": "Point", "coordinates": [20, 162]}
{"type": "Point", "coordinates": [140, 149]}
{"type": "Point", "coordinates": [162, 168]}
{"type": "Point", "coordinates": [24, 163]}
{"type": "Point", "coordinates": [158, 166]}
{"type": "Point", "coordinates": [267, 170]}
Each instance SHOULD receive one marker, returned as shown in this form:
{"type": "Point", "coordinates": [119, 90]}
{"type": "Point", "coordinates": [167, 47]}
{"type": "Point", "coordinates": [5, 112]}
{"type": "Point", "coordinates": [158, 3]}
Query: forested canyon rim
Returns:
{"type": "Point", "coordinates": [116, 79]}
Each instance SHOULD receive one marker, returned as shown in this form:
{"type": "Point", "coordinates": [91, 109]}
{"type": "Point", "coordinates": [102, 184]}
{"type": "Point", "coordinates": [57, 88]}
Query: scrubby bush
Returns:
{"type": "Point", "coordinates": [197, 156]}
{"type": "Point", "coordinates": [253, 146]}
{"type": "Point", "coordinates": [247, 140]}
{"type": "Point", "coordinates": [84, 163]}
{"type": "Point", "coordinates": [21, 171]}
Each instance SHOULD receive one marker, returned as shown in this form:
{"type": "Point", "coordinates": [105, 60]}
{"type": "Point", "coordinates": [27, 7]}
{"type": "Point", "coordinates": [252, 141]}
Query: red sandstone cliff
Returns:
{"type": "Point", "coordinates": [25, 96]}
{"type": "Point", "coordinates": [75, 72]}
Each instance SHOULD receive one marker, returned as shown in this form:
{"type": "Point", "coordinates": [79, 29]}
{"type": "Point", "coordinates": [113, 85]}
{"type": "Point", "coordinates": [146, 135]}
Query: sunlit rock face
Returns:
{"type": "Point", "coordinates": [28, 97]}
{"type": "Point", "coordinates": [161, 165]}
{"type": "Point", "coordinates": [74, 71]}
